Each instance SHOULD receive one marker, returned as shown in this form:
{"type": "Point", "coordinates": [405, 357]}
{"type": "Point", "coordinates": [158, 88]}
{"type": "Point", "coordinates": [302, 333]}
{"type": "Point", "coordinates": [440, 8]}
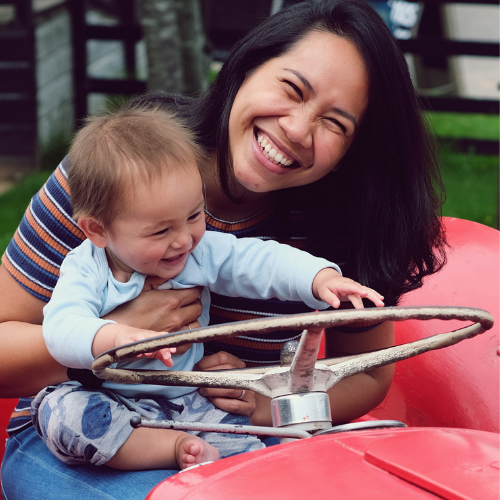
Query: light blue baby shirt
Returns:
{"type": "Point", "coordinates": [222, 263]}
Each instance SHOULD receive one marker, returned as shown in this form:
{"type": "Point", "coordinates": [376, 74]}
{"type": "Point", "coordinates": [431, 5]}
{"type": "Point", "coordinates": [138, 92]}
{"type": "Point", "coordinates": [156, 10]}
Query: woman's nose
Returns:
{"type": "Point", "coordinates": [298, 129]}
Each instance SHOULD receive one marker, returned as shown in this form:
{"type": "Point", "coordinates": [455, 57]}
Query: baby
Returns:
{"type": "Point", "coordinates": [137, 194]}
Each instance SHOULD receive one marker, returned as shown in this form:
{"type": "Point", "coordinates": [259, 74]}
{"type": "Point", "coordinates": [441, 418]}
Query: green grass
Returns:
{"type": "Point", "coordinates": [471, 187]}
{"type": "Point", "coordinates": [461, 125]}
{"type": "Point", "coordinates": [471, 180]}
{"type": "Point", "coordinates": [13, 204]}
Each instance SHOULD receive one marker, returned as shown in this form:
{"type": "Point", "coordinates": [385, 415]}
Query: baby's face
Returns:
{"type": "Point", "coordinates": [161, 226]}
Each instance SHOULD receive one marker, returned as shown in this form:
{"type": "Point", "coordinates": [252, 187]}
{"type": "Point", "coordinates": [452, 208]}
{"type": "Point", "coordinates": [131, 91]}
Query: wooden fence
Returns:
{"type": "Point", "coordinates": [17, 72]}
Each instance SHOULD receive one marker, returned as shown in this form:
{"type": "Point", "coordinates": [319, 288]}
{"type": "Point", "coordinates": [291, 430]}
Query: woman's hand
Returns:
{"type": "Point", "coordinates": [161, 310]}
{"type": "Point", "coordinates": [234, 401]}
{"type": "Point", "coordinates": [116, 335]}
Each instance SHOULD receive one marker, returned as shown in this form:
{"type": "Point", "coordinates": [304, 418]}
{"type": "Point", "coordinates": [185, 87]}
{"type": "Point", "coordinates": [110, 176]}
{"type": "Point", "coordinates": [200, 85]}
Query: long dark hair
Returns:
{"type": "Point", "coordinates": [387, 190]}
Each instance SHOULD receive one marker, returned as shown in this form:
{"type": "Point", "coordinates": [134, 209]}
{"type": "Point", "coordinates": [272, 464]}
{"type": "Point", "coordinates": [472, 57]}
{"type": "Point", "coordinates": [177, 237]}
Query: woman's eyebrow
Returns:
{"type": "Point", "coordinates": [302, 78]}
{"type": "Point", "coordinates": [347, 115]}
{"type": "Point", "coordinates": [309, 87]}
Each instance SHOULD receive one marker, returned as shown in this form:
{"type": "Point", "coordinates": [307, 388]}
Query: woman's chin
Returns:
{"type": "Point", "coordinates": [261, 178]}
{"type": "Point", "coordinates": [255, 184]}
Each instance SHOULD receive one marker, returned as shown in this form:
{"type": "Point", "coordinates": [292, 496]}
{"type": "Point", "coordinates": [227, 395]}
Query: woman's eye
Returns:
{"type": "Point", "coordinates": [337, 123]}
{"type": "Point", "coordinates": [295, 88]}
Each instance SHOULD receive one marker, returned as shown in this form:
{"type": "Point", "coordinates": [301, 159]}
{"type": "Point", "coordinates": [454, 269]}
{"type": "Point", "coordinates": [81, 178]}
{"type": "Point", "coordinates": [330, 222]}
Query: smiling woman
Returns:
{"type": "Point", "coordinates": [314, 138]}
{"type": "Point", "coordinates": [306, 106]}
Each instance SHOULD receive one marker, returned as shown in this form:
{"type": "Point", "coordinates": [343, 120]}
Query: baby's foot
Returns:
{"type": "Point", "coordinates": [191, 450]}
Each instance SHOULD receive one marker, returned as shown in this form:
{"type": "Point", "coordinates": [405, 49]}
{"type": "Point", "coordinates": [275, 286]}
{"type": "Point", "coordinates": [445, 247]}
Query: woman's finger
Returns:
{"type": "Point", "coordinates": [181, 349]}
{"type": "Point", "coordinates": [219, 361]}
{"type": "Point", "coordinates": [184, 348]}
{"type": "Point", "coordinates": [191, 325]}
{"type": "Point", "coordinates": [244, 406]}
{"type": "Point", "coordinates": [210, 392]}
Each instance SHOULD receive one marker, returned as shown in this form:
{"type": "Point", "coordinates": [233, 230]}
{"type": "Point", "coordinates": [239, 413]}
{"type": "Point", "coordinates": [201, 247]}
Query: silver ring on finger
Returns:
{"type": "Point", "coordinates": [241, 396]}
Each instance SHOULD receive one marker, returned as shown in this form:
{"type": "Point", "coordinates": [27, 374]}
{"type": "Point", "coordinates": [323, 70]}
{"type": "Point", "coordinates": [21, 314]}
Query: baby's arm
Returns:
{"type": "Point", "coordinates": [252, 268]}
{"type": "Point", "coordinates": [331, 287]}
{"type": "Point", "coordinates": [71, 318]}
{"type": "Point", "coordinates": [114, 335]}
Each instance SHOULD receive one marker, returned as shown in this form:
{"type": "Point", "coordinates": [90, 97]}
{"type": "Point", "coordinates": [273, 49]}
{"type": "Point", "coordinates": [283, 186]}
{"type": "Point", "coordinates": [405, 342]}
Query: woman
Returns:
{"type": "Point", "coordinates": [317, 140]}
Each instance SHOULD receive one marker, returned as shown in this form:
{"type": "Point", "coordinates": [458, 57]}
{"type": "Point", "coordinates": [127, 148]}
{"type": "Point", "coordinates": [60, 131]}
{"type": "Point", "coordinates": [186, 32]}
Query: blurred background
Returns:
{"type": "Point", "coordinates": [63, 59]}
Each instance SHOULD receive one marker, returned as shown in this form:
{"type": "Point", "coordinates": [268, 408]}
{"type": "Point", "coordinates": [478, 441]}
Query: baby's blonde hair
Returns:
{"type": "Point", "coordinates": [116, 150]}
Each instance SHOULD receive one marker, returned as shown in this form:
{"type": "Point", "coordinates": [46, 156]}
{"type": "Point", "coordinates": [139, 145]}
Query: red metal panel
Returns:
{"type": "Point", "coordinates": [317, 468]}
{"type": "Point", "coordinates": [6, 408]}
{"type": "Point", "coordinates": [457, 386]}
{"type": "Point", "coordinates": [376, 464]}
{"type": "Point", "coordinates": [455, 464]}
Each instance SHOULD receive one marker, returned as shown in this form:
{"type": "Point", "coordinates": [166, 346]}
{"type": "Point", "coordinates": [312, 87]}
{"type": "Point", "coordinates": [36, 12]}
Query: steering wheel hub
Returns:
{"type": "Point", "coordinates": [309, 411]}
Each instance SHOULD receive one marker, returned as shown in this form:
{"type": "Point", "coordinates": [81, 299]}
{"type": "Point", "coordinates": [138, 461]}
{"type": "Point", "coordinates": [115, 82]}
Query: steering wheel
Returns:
{"type": "Point", "coordinates": [300, 388]}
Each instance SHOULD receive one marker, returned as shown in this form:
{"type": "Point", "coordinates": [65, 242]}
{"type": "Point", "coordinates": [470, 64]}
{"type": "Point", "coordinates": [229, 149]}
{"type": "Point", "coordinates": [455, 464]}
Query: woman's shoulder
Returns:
{"type": "Point", "coordinates": [44, 237]}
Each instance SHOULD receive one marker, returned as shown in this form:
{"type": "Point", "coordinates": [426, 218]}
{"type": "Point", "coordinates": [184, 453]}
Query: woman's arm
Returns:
{"type": "Point", "coordinates": [352, 397]}
{"type": "Point", "coordinates": [25, 363]}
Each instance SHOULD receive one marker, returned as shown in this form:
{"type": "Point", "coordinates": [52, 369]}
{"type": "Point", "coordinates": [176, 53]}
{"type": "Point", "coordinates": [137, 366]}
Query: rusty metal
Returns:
{"type": "Point", "coordinates": [275, 380]}
{"type": "Point", "coordinates": [361, 426]}
{"type": "Point", "coordinates": [299, 402]}
{"type": "Point", "coordinates": [304, 361]}
{"type": "Point", "coordinates": [289, 433]}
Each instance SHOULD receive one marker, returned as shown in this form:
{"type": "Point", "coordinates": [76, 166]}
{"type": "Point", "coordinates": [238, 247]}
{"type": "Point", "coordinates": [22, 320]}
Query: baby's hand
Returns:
{"type": "Point", "coordinates": [332, 288]}
{"type": "Point", "coordinates": [164, 355]}
{"type": "Point", "coordinates": [115, 335]}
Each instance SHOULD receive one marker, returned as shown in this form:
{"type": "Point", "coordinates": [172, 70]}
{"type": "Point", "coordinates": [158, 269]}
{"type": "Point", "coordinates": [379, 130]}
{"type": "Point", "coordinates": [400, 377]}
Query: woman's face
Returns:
{"type": "Point", "coordinates": [295, 116]}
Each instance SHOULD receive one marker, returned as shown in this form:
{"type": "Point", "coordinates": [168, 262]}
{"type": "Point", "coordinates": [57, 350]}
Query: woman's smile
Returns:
{"type": "Point", "coordinates": [273, 152]}
{"type": "Point", "coordinates": [271, 156]}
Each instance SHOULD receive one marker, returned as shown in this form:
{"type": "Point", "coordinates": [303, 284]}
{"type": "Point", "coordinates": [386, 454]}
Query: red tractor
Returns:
{"type": "Point", "coordinates": [436, 434]}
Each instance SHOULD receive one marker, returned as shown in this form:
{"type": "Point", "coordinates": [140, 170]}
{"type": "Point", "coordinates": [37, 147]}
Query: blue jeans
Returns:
{"type": "Point", "coordinates": [29, 470]}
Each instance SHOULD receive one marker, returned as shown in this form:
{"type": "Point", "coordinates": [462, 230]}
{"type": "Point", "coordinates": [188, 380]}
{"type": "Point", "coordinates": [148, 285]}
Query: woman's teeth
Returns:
{"type": "Point", "coordinates": [271, 153]}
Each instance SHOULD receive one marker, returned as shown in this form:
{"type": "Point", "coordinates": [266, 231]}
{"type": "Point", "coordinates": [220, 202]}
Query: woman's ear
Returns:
{"type": "Point", "coordinates": [93, 230]}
